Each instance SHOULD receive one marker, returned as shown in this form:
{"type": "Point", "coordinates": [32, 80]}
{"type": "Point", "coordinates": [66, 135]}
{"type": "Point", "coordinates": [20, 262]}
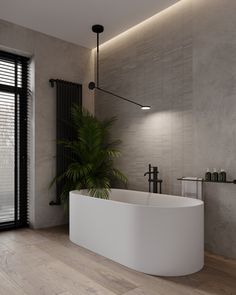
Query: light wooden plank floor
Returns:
{"type": "Point", "coordinates": [46, 262]}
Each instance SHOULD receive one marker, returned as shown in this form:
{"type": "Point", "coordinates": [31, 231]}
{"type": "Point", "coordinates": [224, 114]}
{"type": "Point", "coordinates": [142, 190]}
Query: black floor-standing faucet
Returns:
{"type": "Point", "coordinates": [153, 171]}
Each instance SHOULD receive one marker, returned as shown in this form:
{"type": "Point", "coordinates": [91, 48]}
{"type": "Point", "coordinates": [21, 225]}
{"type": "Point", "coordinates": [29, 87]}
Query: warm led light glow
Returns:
{"type": "Point", "coordinates": [145, 108]}
{"type": "Point", "coordinates": [146, 22]}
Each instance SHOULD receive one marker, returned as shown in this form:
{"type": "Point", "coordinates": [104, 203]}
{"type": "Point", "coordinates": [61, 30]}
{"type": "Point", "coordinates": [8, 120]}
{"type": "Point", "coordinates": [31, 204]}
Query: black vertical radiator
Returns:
{"type": "Point", "coordinates": [67, 95]}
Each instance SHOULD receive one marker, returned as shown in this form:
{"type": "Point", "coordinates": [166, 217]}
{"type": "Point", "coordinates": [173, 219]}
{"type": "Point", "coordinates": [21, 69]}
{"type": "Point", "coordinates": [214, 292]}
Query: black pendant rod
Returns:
{"type": "Point", "coordinates": [97, 59]}
{"type": "Point", "coordinates": [99, 29]}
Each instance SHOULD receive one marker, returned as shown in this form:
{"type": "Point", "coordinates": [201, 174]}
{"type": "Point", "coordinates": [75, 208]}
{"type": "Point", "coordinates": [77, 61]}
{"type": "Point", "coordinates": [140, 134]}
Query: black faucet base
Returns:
{"type": "Point", "coordinates": [155, 181]}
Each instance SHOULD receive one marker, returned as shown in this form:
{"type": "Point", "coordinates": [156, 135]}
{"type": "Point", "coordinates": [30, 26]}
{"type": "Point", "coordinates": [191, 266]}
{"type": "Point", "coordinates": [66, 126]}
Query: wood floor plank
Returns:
{"type": "Point", "coordinates": [54, 235]}
{"type": "Point", "coordinates": [141, 291]}
{"type": "Point", "coordinates": [74, 281]}
{"type": "Point", "coordinates": [8, 287]}
{"type": "Point", "coordinates": [104, 276]}
{"type": "Point", "coordinates": [163, 289]}
{"type": "Point", "coordinates": [45, 262]}
{"type": "Point", "coordinates": [213, 281]}
{"type": "Point", "coordinates": [24, 258]}
{"type": "Point", "coordinates": [220, 263]}
{"type": "Point", "coordinates": [56, 278]}
{"type": "Point", "coordinates": [218, 288]}
{"type": "Point", "coordinates": [35, 282]}
{"type": "Point", "coordinates": [153, 283]}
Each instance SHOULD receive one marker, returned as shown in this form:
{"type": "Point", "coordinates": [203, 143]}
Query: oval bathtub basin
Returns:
{"type": "Point", "coordinates": [156, 234]}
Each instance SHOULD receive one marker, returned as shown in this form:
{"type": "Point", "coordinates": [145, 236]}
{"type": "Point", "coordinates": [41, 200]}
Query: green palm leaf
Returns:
{"type": "Point", "coordinates": [92, 154]}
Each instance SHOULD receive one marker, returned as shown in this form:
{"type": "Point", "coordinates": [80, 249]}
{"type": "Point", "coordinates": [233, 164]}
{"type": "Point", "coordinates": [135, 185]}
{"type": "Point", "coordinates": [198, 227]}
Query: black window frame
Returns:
{"type": "Point", "coordinates": [21, 140]}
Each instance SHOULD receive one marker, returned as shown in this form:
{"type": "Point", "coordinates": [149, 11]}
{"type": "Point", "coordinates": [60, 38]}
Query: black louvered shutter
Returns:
{"type": "Point", "coordinates": [13, 140]}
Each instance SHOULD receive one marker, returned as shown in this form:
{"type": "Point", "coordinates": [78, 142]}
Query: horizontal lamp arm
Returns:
{"type": "Point", "coordinates": [116, 95]}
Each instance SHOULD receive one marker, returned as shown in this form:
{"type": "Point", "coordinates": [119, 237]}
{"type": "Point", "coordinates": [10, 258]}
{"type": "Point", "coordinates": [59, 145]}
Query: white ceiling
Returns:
{"type": "Point", "coordinates": [71, 20]}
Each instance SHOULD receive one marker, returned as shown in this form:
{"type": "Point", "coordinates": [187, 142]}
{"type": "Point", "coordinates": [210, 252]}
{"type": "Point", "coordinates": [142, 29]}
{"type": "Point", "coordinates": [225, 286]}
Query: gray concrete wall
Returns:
{"type": "Point", "coordinates": [183, 63]}
{"type": "Point", "coordinates": [214, 115]}
{"type": "Point", "coordinates": [51, 58]}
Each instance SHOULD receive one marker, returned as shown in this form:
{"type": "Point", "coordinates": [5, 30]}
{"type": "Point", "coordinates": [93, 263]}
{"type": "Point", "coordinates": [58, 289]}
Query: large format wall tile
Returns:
{"type": "Point", "coordinates": [182, 63]}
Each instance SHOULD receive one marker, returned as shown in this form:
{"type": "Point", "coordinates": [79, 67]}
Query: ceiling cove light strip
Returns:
{"type": "Point", "coordinates": [98, 29]}
{"type": "Point", "coordinates": [178, 6]}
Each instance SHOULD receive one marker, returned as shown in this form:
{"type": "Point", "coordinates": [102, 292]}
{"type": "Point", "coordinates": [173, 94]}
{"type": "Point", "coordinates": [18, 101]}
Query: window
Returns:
{"type": "Point", "coordinates": [13, 140]}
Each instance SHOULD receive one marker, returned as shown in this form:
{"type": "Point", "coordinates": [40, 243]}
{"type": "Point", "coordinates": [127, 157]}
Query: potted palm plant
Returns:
{"type": "Point", "coordinates": [92, 157]}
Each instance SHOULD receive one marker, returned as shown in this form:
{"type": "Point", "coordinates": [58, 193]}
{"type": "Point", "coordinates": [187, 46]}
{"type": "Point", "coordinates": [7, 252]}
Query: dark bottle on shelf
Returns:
{"type": "Point", "coordinates": [208, 175]}
{"type": "Point", "coordinates": [215, 176]}
{"type": "Point", "coordinates": [222, 176]}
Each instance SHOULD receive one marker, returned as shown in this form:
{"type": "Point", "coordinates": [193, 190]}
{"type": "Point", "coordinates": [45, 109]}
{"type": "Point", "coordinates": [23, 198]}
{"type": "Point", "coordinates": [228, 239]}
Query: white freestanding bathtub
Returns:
{"type": "Point", "coordinates": [156, 234]}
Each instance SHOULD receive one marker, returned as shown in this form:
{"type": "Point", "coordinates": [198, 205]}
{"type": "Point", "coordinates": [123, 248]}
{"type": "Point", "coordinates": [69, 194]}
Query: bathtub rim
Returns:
{"type": "Point", "coordinates": [198, 203]}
